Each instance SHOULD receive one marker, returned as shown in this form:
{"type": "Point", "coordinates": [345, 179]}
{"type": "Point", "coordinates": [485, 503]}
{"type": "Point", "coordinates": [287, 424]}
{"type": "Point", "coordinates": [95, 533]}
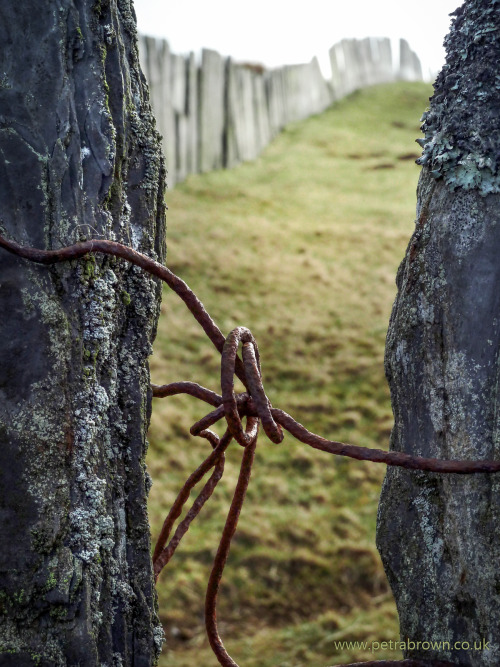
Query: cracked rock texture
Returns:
{"type": "Point", "coordinates": [439, 535]}
{"type": "Point", "coordinates": [79, 158]}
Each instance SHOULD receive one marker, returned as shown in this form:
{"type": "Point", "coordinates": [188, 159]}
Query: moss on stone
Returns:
{"type": "Point", "coordinates": [126, 298]}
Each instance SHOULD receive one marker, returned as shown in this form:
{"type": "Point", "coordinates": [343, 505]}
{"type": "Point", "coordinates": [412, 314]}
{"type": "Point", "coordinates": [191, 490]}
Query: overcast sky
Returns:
{"type": "Point", "coordinates": [280, 32]}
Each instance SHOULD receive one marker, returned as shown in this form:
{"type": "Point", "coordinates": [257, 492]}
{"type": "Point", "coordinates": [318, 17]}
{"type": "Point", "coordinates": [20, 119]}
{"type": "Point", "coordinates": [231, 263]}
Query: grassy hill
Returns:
{"type": "Point", "coordinates": [302, 247]}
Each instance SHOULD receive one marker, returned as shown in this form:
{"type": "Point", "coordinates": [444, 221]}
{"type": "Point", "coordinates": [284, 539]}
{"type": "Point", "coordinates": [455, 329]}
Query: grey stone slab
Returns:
{"type": "Point", "coordinates": [294, 100]}
{"type": "Point", "coordinates": [246, 116]}
{"type": "Point", "coordinates": [192, 115]}
{"type": "Point", "coordinates": [355, 66]}
{"type": "Point", "coordinates": [143, 59]}
{"type": "Point", "coordinates": [155, 61]}
{"type": "Point", "coordinates": [261, 112]}
{"type": "Point", "coordinates": [181, 143]}
{"type": "Point", "coordinates": [381, 53]}
{"type": "Point", "coordinates": [417, 67]}
{"type": "Point", "coordinates": [275, 100]}
{"type": "Point", "coordinates": [211, 111]}
{"type": "Point", "coordinates": [317, 89]}
{"type": "Point", "coordinates": [410, 68]}
{"type": "Point", "coordinates": [364, 62]}
{"type": "Point", "coordinates": [306, 91]}
{"type": "Point", "coordinates": [337, 64]}
{"type": "Point", "coordinates": [231, 152]}
{"type": "Point", "coordinates": [178, 83]}
{"type": "Point", "coordinates": [241, 128]}
{"type": "Point", "coordinates": [165, 110]}
{"type": "Point", "coordinates": [345, 67]}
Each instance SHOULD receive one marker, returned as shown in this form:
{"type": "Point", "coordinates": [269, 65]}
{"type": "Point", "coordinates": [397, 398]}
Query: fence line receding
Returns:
{"type": "Point", "coordinates": [218, 113]}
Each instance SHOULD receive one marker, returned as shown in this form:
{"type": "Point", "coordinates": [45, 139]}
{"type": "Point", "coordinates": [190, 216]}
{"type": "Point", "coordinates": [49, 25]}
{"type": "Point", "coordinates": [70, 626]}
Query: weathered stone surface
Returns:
{"type": "Point", "coordinates": [79, 157]}
{"type": "Point", "coordinates": [344, 68]}
{"type": "Point", "coordinates": [316, 90]}
{"type": "Point", "coordinates": [241, 127]}
{"type": "Point", "coordinates": [379, 63]}
{"type": "Point", "coordinates": [294, 77]}
{"type": "Point", "coordinates": [261, 111]}
{"type": "Point", "coordinates": [351, 66]}
{"type": "Point", "coordinates": [439, 535]}
{"type": "Point", "coordinates": [192, 115]}
{"type": "Point", "coordinates": [181, 132]}
{"type": "Point", "coordinates": [276, 100]}
{"type": "Point", "coordinates": [409, 64]}
{"type": "Point", "coordinates": [156, 59]}
{"type": "Point", "coordinates": [211, 111]}
{"type": "Point", "coordinates": [178, 83]}
{"type": "Point", "coordinates": [337, 59]}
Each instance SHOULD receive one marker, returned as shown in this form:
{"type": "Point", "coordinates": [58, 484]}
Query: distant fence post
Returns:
{"type": "Point", "coordinates": [241, 142]}
{"type": "Point", "coordinates": [155, 63]}
{"type": "Point", "coordinates": [410, 68]}
{"type": "Point", "coordinates": [211, 114]}
{"type": "Point", "coordinates": [192, 115]}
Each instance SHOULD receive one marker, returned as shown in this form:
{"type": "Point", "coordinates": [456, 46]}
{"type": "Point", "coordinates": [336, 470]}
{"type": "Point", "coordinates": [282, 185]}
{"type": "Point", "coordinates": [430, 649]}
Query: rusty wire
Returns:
{"type": "Point", "coordinates": [252, 404]}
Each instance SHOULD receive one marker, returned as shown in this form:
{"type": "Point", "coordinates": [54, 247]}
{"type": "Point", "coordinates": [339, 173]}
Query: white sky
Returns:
{"type": "Point", "coordinates": [280, 32]}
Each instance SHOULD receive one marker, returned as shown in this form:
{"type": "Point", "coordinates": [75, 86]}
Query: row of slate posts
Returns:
{"type": "Point", "coordinates": [218, 113]}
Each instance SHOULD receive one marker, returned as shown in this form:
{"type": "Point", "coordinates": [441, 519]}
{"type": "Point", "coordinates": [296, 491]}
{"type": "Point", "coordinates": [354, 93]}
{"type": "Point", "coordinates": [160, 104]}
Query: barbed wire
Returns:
{"type": "Point", "coordinates": [255, 406]}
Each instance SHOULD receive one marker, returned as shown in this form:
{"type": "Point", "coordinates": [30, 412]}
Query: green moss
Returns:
{"type": "Point", "coordinates": [89, 267]}
{"type": "Point", "coordinates": [51, 581]}
{"type": "Point", "coordinates": [103, 55]}
{"type": "Point", "coordinates": [90, 356]}
{"type": "Point", "coordinates": [126, 299]}
{"type": "Point", "coordinates": [58, 612]}
{"type": "Point", "coordinates": [115, 191]}
{"type": "Point", "coordinates": [20, 596]}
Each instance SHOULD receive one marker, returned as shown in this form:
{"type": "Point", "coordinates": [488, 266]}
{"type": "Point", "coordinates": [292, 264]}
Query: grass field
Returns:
{"type": "Point", "coordinates": [302, 247]}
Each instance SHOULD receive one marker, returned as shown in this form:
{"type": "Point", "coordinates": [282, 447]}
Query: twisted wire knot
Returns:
{"type": "Point", "coordinates": [253, 376]}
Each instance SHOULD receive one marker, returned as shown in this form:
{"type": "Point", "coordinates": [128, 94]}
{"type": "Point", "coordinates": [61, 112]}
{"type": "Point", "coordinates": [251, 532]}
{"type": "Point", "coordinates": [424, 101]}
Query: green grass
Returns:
{"type": "Point", "coordinates": [302, 247]}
